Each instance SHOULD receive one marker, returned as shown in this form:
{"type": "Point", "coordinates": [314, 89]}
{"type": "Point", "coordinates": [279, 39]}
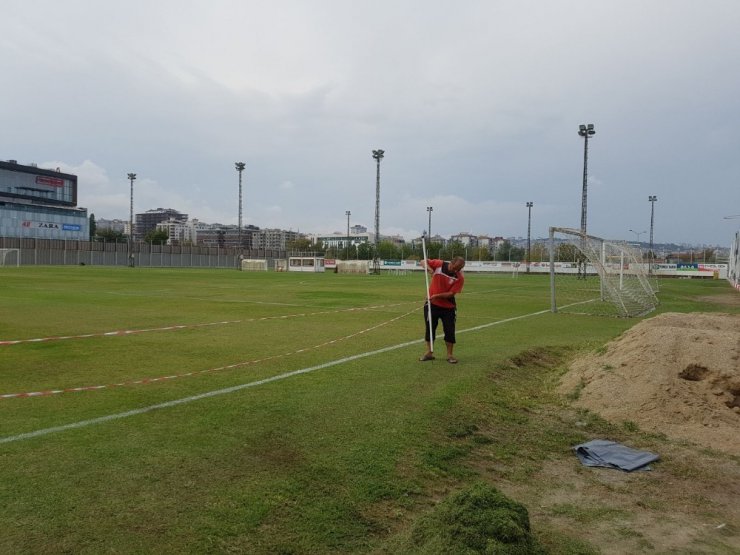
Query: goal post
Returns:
{"type": "Point", "coordinates": [353, 267]}
{"type": "Point", "coordinates": [10, 257]}
{"type": "Point", "coordinates": [597, 276]}
{"type": "Point", "coordinates": [253, 265]}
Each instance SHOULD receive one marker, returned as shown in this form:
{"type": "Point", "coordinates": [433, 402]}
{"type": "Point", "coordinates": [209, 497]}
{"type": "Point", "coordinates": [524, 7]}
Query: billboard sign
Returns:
{"type": "Point", "coordinates": [50, 181]}
{"type": "Point", "coordinates": [35, 224]}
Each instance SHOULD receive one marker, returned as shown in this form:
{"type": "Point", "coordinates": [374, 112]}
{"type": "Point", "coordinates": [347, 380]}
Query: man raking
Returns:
{"type": "Point", "coordinates": [447, 281]}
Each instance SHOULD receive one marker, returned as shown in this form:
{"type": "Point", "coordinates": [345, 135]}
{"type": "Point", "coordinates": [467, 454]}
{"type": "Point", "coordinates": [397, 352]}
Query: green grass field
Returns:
{"type": "Point", "coordinates": [238, 412]}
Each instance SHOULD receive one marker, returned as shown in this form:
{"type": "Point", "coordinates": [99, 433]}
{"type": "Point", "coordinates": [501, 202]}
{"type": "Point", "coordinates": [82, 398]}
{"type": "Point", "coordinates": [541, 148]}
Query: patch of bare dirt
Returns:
{"type": "Point", "coordinates": [676, 374]}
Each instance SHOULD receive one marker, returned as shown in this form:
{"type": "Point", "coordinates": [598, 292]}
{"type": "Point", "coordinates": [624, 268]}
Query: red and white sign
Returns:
{"type": "Point", "coordinates": [51, 181]}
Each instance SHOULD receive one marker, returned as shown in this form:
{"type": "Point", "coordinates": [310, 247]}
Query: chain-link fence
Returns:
{"type": "Point", "coordinates": [102, 253]}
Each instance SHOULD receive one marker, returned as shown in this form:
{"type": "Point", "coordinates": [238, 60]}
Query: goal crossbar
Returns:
{"type": "Point", "coordinates": [623, 283]}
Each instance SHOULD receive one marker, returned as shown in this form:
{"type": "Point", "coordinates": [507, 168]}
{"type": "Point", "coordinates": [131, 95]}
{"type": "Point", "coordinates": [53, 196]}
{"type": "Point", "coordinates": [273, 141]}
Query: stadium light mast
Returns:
{"type": "Point", "coordinates": [529, 234]}
{"type": "Point", "coordinates": [378, 156]}
{"type": "Point", "coordinates": [429, 228]}
{"type": "Point", "coordinates": [638, 233]}
{"type": "Point", "coordinates": [585, 131]}
{"type": "Point", "coordinates": [240, 168]}
{"type": "Point", "coordinates": [348, 214]}
{"type": "Point", "coordinates": [652, 200]}
{"type": "Point", "coordinates": [131, 178]}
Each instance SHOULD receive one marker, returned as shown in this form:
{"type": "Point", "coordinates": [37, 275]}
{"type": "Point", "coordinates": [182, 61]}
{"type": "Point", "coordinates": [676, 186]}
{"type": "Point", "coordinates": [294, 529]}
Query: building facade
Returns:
{"type": "Point", "coordinates": [338, 240]}
{"type": "Point", "coordinates": [273, 238]}
{"type": "Point", "coordinates": [147, 221]}
{"type": "Point", "coordinates": [40, 203]}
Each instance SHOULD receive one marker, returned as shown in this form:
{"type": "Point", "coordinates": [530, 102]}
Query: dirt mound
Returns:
{"type": "Point", "coordinates": [677, 374]}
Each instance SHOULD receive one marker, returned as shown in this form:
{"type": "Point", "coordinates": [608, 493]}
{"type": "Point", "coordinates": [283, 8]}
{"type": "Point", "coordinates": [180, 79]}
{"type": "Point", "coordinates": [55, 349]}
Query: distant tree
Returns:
{"type": "Point", "coordinates": [507, 251]}
{"type": "Point", "coordinates": [156, 237]}
{"type": "Point", "coordinates": [221, 238]}
{"type": "Point", "coordinates": [365, 251]}
{"type": "Point", "coordinates": [92, 227]}
{"type": "Point", "coordinates": [567, 253]}
{"type": "Point", "coordinates": [450, 251]}
{"type": "Point", "coordinates": [434, 250]}
{"type": "Point", "coordinates": [109, 235]}
{"type": "Point", "coordinates": [503, 252]}
{"type": "Point", "coordinates": [518, 254]}
{"type": "Point", "coordinates": [301, 245]}
{"type": "Point", "coordinates": [479, 253]}
{"type": "Point", "coordinates": [388, 250]}
{"type": "Point", "coordinates": [540, 252]}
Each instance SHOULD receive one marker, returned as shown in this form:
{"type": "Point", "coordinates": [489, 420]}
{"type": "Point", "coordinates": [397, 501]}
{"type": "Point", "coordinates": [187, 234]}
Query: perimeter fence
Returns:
{"type": "Point", "coordinates": [101, 253]}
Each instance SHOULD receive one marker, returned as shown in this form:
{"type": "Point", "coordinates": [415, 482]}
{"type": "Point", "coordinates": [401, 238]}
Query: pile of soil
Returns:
{"type": "Point", "coordinates": [676, 374]}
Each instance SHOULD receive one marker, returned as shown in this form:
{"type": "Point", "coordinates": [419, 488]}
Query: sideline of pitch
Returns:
{"type": "Point", "coordinates": [215, 393]}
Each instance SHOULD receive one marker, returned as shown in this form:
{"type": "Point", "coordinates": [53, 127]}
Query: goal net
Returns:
{"type": "Point", "coordinates": [254, 265]}
{"type": "Point", "coordinates": [592, 275]}
{"type": "Point", "coordinates": [10, 257]}
{"type": "Point", "coordinates": [353, 267]}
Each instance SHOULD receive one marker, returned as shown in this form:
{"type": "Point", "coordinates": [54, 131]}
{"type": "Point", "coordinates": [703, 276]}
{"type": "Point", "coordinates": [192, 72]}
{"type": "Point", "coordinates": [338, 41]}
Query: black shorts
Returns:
{"type": "Point", "coordinates": [448, 317]}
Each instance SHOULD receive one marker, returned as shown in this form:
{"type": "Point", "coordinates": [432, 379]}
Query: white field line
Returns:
{"type": "Point", "coordinates": [226, 391]}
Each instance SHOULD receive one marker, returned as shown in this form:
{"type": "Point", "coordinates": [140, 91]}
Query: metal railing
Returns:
{"type": "Point", "coordinates": [109, 253]}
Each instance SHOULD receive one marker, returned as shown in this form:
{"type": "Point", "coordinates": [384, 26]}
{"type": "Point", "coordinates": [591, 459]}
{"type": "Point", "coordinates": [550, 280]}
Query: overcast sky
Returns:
{"type": "Point", "coordinates": [476, 104]}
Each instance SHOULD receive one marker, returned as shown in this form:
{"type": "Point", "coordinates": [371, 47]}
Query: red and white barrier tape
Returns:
{"type": "Point", "coordinates": [119, 333]}
{"type": "Point", "coordinates": [145, 381]}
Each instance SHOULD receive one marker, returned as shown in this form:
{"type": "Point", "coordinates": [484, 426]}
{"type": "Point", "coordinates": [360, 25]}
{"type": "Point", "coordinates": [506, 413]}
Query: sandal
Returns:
{"type": "Point", "coordinates": [452, 360]}
{"type": "Point", "coordinates": [426, 357]}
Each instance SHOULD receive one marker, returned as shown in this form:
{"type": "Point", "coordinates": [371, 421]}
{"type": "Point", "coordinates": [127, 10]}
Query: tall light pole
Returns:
{"type": "Point", "coordinates": [652, 200]}
{"type": "Point", "coordinates": [378, 156]}
{"type": "Point", "coordinates": [529, 234]}
{"type": "Point", "coordinates": [240, 168]}
{"type": "Point", "coordinates": [131, 178]}
{"type": "Point", "coordinates": [348, 214]}
{"type": "Point", "coordinates": [638, 233]}
{"type": "Point", "coordinates": [585, 131]}
{"type": "Point", "coordinates": [429, 228]}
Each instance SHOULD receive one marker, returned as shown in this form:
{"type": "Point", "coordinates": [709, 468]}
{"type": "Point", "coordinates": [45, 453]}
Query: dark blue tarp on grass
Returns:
{"type": "Point", "coordinates": [610, 454]}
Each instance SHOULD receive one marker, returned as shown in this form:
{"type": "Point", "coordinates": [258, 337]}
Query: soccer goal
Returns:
{"type": "Point", "coordinates": [10, 257]}
{"type": "Point", "coordinates": [592, 275]}
{"type": "Point", "coordinates": [254, 265]}
{"type": "Point", "coordinates": [353, 267]}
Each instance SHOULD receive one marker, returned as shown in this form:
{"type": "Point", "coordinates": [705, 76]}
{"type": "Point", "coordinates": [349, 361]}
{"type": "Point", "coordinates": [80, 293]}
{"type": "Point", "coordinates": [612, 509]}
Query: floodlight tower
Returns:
{"type": "Point", "coordinates": [585, 131]}
{"type": "Point", "coordinates": [131, 178]}
{"type": "Point", "coordinates": [637, 233]}
{"type": "Point", "coordinates": [348, 214]}
{"type": "Point", "coordinates": [240, 168]}
{"type": "Point", "coordinates": [652, 200]}
{"type": "Point", "coordinates": [378, 156]}
{"type": "Point", "coordinates": [429, 228]}
{"type": "Point", "coordinates": [529, 234]}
